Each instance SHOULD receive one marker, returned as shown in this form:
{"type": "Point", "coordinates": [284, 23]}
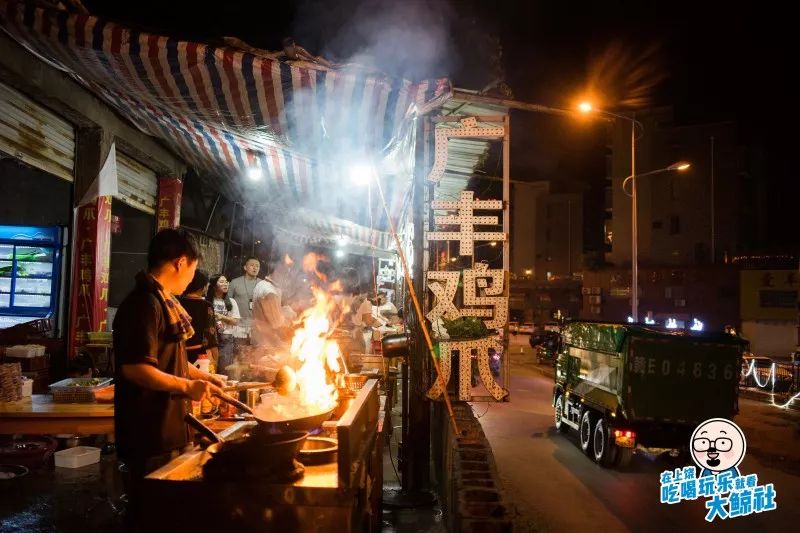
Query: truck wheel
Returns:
{"type": "Point", "coordinates": [587, 431]}
{"type": "Point", "coordinates": [624, 456]}
{"type": "Point", "coordinates": [604, 449]}
{"type": "Point", "coordinates": [559, 414]}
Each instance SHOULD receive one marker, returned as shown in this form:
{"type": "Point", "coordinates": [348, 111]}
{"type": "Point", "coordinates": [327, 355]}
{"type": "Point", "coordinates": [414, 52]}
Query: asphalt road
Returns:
{"type": "Point", "coordinates": [555, 487]}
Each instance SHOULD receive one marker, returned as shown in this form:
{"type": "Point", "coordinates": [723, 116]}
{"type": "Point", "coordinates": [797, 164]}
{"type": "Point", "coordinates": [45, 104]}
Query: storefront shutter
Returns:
{"type": "Point", "coordinates": [35, 135]}
{"type": "Point", "coordinates": [138, 185]}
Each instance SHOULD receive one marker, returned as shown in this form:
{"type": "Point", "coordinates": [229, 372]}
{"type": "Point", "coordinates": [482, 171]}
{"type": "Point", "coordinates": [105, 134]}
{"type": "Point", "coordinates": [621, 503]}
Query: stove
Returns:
{"type": "Point", "coordinates": [235, 489]}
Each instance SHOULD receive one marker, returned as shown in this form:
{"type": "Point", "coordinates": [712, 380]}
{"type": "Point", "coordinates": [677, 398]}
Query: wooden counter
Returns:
{"type": "Point", "coordinates": [40, 415]}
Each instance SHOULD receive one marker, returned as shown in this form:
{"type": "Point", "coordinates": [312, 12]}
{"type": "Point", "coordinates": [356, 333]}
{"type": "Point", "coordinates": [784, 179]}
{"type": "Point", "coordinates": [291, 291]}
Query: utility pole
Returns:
{"type": "Point", "coordinates": [713, 218]}
{"type": "Point", "coordinates": [634, 228]}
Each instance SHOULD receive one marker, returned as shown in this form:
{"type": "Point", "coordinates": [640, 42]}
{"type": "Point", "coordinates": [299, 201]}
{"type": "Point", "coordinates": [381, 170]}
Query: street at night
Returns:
{"type": "Point", "coordinates": [557, 488]}
{"type": "Point", "coordinates": [398, 266]}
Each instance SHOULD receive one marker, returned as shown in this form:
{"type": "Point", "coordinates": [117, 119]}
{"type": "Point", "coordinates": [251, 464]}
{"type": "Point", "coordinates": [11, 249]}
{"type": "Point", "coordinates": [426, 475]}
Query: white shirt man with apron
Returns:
{"type": "Point", "coordinates": [271, 320]}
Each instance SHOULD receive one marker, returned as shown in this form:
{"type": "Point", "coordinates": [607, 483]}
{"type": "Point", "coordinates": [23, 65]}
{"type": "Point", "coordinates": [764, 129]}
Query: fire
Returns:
{"type": "Point", "coordinates": [288, 260]}
{"type": "Point", "coordinates": [310, 261]}
{"type": "Point", "coordinates": [312, 348]}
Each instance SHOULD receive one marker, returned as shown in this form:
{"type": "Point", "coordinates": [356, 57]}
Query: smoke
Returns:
{"type": "Point", "coordinates": [341, 133]}
{"type": "Point", "coordinates": [405, 39]}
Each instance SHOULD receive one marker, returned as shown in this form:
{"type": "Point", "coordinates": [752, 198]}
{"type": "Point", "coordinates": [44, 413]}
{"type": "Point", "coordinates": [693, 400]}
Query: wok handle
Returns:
{"type": "Point", "coordinates": [225, 398]}
{"type": "Point", "coordinates": [202, 428]}
{"type": "Point", "coordinates": [236, 403]}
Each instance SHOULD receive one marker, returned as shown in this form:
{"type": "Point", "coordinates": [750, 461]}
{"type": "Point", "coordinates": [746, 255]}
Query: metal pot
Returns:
{"type": "Point", "coordinates": [395, 345]}
{"type": "Point", "coordinates": [318, 451]}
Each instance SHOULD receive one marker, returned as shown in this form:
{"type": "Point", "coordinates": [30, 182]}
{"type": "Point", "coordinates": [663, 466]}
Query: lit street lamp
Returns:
{"type": "Point", "coordinates": [679, 166]}
{"type": "Point", "coordinates": [586, 108]}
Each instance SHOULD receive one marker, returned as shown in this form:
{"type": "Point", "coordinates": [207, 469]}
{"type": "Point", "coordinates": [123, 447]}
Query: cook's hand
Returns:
{"type": "Point", "coordinates": [198, 390]}
{"type": "Point", "coordinates": [219, 382]}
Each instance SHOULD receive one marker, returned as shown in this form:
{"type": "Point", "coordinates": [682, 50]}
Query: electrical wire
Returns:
{"type": "Point", "coordinates": [771, 375]}
{"type": "Point", "coordinates": [785, 405]}
{"type": "Point", "coordinates": [488, 405]}
{"type": "Point", "coordinates": [390, 451]}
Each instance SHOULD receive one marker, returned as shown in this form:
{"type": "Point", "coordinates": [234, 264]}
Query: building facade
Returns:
{"type": "Point", "coordinates": [546, 232]}
{"type": "Point", "coordinates": [700, 216]}
{"type": "Point", "coordinates": [709, 294]}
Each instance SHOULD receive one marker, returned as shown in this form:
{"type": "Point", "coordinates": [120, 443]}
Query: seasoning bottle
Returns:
{"type": "Point", "coordinates": [203, 363]}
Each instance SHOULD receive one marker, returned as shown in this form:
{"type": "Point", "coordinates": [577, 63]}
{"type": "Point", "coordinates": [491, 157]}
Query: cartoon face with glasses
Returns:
{"type": "Point", "coordinates": [718, 446]}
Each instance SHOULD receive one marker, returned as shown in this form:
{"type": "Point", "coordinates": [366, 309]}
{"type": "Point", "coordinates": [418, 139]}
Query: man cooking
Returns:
{"type": "Point", "coordinates": [272, 321]}
{"type": "Point", "coordinates": [153, 377]}
{"type": "Point", "coordinates": [241, 290]}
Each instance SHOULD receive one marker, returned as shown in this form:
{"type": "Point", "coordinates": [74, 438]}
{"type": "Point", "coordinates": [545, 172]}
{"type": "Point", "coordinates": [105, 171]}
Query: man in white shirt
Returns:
{"type": "Point", "coordinates": [271, 320]}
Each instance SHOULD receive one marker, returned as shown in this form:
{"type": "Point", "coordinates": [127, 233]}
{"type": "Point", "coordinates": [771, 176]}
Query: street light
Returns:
{"type": "Point", "coordinates": [679, 166]}
{"type": "Point", "coordinates": [586, 108]}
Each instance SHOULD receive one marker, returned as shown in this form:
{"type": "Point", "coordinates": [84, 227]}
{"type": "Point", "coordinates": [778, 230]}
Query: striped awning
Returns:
{"type": "Point", "coordinates": [229, 112]}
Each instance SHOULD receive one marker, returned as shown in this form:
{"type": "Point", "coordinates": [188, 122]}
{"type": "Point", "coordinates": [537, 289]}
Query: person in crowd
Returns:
{"type": "Point", "coordinates": [227, 312]}
{"type": "Point", "coordinates": [204, 340]}
{"type": "Point", "coordinates": [358, 307]}
{"type": "Point", "coordinates": [385, 308]}
{"type": "Point", "coordinates": [241, 290]}
{"type": "Point", "coordinates": [153, 378]}
{"type": "Point", "coordinates": [272, 321]}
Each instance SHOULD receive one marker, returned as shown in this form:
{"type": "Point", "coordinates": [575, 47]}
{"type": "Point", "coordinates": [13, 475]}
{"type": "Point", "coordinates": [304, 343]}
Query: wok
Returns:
{"type": "Point", "coordinates": [282, 426]}
{"type": "Point", "coordinates": [283, 447]}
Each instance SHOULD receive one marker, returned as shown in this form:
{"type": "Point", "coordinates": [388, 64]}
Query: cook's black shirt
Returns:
{"type": "Point", "coordinates": [147, 422]}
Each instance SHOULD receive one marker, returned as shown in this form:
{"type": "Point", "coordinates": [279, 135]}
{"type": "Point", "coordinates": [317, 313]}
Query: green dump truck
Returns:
{"type": "Point", "coordinates": [623, 386]}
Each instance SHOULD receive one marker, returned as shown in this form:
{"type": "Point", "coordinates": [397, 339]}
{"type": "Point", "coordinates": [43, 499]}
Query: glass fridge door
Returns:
{"type": "Point", "coordinates": [6, 264]}
{"type": "Point", "coordinates": [33, 284]}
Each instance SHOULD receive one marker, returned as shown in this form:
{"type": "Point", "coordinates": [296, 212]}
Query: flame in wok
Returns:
{"type": "Point", "coordinates": [317, 354]}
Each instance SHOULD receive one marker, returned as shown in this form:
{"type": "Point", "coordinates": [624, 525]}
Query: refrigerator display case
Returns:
{"type": "Point", "coordinates": [30, 264]}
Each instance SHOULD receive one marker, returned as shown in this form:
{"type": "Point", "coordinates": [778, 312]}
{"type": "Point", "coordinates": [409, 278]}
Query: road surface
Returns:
{"type": "Point", "coordinates": [557, 488]}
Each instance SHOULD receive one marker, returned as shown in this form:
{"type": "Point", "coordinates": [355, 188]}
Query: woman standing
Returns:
{"type": "Point", "coordinates": [204, 340]}
{"type": "Point", "coordinates": [227, 312]}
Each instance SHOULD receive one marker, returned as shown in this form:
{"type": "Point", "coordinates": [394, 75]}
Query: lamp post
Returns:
{"type": "Point", "coordinates": [679, 166]}
{"type": "Point", "coordinates": [586, 108]}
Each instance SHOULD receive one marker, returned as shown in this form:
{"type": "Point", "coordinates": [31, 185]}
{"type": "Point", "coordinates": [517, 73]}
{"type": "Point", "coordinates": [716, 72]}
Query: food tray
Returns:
{"type": "Point", "coordinates": [77, 457]}
{"type": "Point", "coordinates": [77, 390]}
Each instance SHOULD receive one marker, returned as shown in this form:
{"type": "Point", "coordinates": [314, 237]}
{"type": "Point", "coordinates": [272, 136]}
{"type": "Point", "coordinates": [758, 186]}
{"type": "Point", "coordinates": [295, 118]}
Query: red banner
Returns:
{"type": "Point", "coordinates": [91, 261]}
{"type": "Point", "coordinates": [170, 191]}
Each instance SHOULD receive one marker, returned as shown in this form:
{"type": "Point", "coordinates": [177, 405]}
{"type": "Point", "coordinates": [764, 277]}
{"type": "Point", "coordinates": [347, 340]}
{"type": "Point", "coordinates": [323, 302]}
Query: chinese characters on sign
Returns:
{"type": "Point", "coordinates": [729, 496]}
{"type": "Point", "coordinates": [170, 191]}
{"type": "Point", "coordinates": [467, 127]}
{"type": "Point", "coordinates": [717, 447]}
{"type": "Point", "coordinates": [387, 271]}
{"type": "Point", "coordinates": [466, 220]}
{"type": "Point", "coordinates": [483, 292]}
{"type": "Point", "coordinates": [92, 259]}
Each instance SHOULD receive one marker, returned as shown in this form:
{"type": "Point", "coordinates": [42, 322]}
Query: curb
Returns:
{"type": "Point", "coordinates": [476, 502]}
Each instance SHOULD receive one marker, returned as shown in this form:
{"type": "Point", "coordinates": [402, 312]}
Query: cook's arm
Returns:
{"type": "Point", "coordinates": [195, 373]}
{"type": "Point", "coordinates": [149, 377]}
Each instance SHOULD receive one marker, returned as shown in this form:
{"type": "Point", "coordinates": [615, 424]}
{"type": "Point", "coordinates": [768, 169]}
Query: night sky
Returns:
{"type": "Point", "coordinates": [711, 60]}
